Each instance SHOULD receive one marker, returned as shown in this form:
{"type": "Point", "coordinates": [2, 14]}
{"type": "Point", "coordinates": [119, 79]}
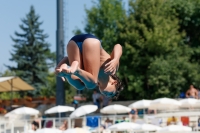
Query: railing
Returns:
{"type": "Point", "coordinates": [25, 124]}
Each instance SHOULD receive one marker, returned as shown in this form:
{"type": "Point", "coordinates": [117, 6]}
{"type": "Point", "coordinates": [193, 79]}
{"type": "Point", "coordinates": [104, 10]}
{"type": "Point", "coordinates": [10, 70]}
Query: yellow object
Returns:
{"type": "Point", "coordinates": [13, 83]}
{"type": "Point", "coordinates": [172, 120]}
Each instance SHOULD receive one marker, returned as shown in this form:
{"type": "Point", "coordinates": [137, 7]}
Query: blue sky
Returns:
{"type": "Point", "coordinates": [12, 11]}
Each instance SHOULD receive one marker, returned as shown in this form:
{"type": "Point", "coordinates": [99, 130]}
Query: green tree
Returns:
{"type": "Point", "coordinates": [50, 89]}
{"type": "Point", "coordinates": [150, 32]}
{"type": "Point", "coordinates": [31, 52]}
{"type": "Point", "coordinates": [171, 75]}
{"type": "Point", "coordinates": [155, 62]}
{"type": "Point", "coordinates": [187, 11]}
{"type": "Point", "coordinates": [160, 61]}
{"type": "Point", "coordinates": [7, 73]}
{"type": "Point", "coordinates": [102, 20]}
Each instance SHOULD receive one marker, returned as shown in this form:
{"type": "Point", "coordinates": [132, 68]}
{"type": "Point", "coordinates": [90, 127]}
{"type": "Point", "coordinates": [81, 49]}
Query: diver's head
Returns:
{"type": "Point", "coordinates": [113, 88]}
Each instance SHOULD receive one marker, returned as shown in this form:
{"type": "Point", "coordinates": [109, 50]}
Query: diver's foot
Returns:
{"type": "Point", "coordinates": [72, 69]}
{"type": "Point", "coordinates": [62, 73]}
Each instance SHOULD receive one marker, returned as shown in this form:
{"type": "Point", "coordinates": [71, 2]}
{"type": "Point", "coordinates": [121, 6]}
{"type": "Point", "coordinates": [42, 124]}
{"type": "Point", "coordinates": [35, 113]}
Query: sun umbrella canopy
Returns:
{"type": "Point", "coordinates": [49, 130]}
{"type": "Point", "coordinates": [123, 126]}
{"type": "Point", "coordinates": [59, 109]}
{"type": "Point", "coordinates": [83, 110]}
{"type": "Point", "coordinates": [148, 127]}
{"type": "Point", "coordinates": [164, 103]}
{"type": "Point", "coordinates": [175, 128]}
{"type": "Point", "coordinates": [13, 83]}
{"type": "Point", "coordinates": [115, 109]}
{"type": "Point", "coordinates": [189, 102]}
{"type": "Point", "coordinates": [23, 111]}
{"type": "Point", "coordinates": [141, 104]}
{"type": "Point", "coordinates": [76, 130]}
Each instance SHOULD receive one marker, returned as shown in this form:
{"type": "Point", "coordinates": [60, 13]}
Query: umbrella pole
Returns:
{"type": "Point", "coordinates": [114, 121]}
{"type": "Point", "coordinates": [59, 118]}
{"type": "Point", "coordinates": [12, 128]}
{"type": "Point", "coordinates": [24, 123]}
{"type": "Point", "coordinates": [84, 119]}
{"type": "Point", "coordinates": [11, 95]}
{"type": "Point", "coordinates": [99, 122]}
{"type": "Point", "coordinates": [5, 127]}
{"type": "Point", "coordinates": [69, 122]}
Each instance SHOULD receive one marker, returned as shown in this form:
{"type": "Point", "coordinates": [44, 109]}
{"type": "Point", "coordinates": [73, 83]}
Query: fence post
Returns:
{"type": "Point", "coordinates": [69, 122]}
{"type": "Point", "coordinates": [54, 123]}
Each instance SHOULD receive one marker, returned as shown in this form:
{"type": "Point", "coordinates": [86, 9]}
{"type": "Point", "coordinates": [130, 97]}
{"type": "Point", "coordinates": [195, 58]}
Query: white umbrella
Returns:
{"type": "Point", "coordinates": [23, 111]}
{"type": "Point", "coordinates": [123, 126]}
{"type": "Point", "coordinates": [83, 110]}
{"type": "Point", "coordinates": [48, 130]}
{"type": "Point", "coordinates": [115, 109]}
{"type": "Point", "coordinates": [148, 127]}
{"type": "Point", "coordinates": [189, 102]}
{"type": "Point", "coordinates": [59, 109]}
{"type": "Point", "coordinates": [175, 128]}
{"type": "Point", "coordinates": [141, 104]}
{"type": "Point", "coordinates": [198, 103]}
{"type": "Point", "coordinates": [31, 131]}
{"type": "Point", "coordinates": [164, 103]}
{"type": "Point", "coordinates": [76, 130]}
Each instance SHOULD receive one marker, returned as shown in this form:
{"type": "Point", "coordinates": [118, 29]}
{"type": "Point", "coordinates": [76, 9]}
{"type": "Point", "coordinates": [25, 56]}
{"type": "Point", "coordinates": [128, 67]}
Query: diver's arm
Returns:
{"type": "Point", "coordinates": [117, 52]}
{"type": "Point", "coordinates": [113, 65]}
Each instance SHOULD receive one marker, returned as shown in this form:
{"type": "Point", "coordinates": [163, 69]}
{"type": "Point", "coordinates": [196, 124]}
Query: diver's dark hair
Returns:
{"type": "Point", "coordinates": [119, 86]}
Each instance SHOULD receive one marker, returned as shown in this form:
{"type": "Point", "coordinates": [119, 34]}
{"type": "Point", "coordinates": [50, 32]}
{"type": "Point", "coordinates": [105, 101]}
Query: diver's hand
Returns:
{"type": "Point", "coordinates": [111, 66]}
{"type": "Point", "coordinates": [59, 69]}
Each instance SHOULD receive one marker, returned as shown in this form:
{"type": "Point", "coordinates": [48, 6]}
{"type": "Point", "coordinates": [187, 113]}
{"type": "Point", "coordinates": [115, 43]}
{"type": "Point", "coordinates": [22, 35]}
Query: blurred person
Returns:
{"type": "Point", "coordinates": [198, 93]}
{"type": "Point", "coordinates": [192, 92]}
{"type": "Point", "coordinates": [105, 124]}
{"type": "Point", "coordinates": [34, 125]}
{"type": "Point", "coordinates": [198, 122]}
{"type": "Point", "coordinates": [124, 119]}
{"type": "Point", "coordinates": [75, 103]}
{"type": "Point", "coordinates": [91, 65]}
{"type": "Point", "coordinates": [40, 120]}
{"type": "Point", "coordinates": [64, 126]}
{"type": "Point", "coordinates": [96, 97]}
{"type": "Point", "coordinates": [150, 111]}
{"type": "Point", "coordinates": [104, 127]}
{"type": "Point", "coordinates": [108, 122]}
{"type": "Point", "coordinates": [105, 101]}
{"type": "Point", "coordinates": [133, 114]}
{"type": "Point", "coordinates": [172, 121]}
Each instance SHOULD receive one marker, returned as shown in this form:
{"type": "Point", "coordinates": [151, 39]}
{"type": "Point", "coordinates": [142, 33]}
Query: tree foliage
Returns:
{"type": "Point", "coordinates": [187, 12]}
{"type": "Point", "coordinates": [31, 52]}
{"type": "Point", "coordinates": [160, 39]}
{"type": "Point", "coordinates": [160, 42]}
{"type": "Point", "coordinates": [102, 20]}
